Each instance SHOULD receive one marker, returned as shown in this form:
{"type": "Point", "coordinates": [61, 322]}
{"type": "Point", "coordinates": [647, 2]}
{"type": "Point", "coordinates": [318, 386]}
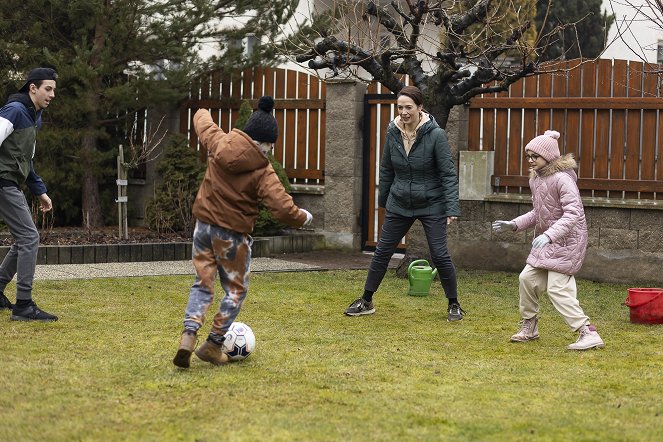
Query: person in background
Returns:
{"type": "Point", "coordinates": [418, 181]}
{"type": "Point", "coordinates": [238, 178]}
{"type": "Point", "coordinates": [559, 245]}
{"type": "Point", "coordinates": [20, 119]}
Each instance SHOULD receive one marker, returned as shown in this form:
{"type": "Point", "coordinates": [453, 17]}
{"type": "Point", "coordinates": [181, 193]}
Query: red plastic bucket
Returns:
{"type": "Point", "coordinates": [646, 305]}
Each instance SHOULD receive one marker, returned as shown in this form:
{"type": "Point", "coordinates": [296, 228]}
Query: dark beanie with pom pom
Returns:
{"type": "Point", "coordinates": [262, 125]}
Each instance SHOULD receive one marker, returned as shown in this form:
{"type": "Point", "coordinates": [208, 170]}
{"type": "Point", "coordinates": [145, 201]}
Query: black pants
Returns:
{"type": "Point", "coordinates": [393, 230]}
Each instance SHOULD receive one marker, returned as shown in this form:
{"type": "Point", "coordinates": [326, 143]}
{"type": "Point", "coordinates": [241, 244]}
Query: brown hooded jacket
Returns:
{"type": "Point", "coordinates": [237, 179]}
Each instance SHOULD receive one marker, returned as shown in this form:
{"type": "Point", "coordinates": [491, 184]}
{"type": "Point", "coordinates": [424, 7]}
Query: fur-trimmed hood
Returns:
{"type": "Point", "coordinates": [565, 163]}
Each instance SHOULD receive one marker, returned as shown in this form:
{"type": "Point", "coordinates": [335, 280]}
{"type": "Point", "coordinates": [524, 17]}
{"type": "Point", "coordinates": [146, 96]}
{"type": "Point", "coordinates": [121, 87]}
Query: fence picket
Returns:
{"type": "Point", "coordinates": [588, 127]}
{"type": "Point", "coordinates": [633, 127]}
{"type": "Point", "coordinates": [602, 146]}
{"type": "Point", "coordinates": [648, 161]}
{"type": "Point", "coordinates": [373, 219]}
{"type": "Point", "coordinates": [572, 131]}
{"type": "Point", "coordinates": [290, 129]}
{"type": "Point", "coordinates": [302, 117]}
{"type": "Point", "coordinates": [313, 128]}
{"type": "Point", "coordinates": [515, 153]}
{"type": "Point", "coordinates": [474, 126]}
{"type": "Point", "coordinates": [558, 118]}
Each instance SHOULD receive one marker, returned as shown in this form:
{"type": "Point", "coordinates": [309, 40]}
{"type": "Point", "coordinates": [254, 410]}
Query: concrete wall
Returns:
{"type": "Point", "coordinates": [625, 244]}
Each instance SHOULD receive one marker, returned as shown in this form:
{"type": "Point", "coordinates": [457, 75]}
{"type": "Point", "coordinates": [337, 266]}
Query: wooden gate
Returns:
{"type": "Point", "coordinates": [609, 116]}
{"type": "Point", "coordinates": [299, 110]}
{"type": "Point", "coordinates": [379, 110]}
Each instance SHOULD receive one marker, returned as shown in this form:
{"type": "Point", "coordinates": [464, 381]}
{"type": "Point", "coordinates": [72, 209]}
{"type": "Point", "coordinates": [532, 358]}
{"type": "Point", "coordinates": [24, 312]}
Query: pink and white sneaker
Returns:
{"type": "Point", "coordinates": [589, 338]}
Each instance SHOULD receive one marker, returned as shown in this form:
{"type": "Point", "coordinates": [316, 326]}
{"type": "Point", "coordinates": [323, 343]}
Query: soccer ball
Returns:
{"type": "Point", "coordinates": [240, 341]}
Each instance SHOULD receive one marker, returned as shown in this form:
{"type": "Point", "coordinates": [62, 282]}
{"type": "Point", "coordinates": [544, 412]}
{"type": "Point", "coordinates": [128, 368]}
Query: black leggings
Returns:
{"type": "Point", "coordinates": [393, 230]}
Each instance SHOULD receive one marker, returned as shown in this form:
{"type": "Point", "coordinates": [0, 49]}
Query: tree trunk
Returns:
{"type": "Point", "coordinates": [91, 204]}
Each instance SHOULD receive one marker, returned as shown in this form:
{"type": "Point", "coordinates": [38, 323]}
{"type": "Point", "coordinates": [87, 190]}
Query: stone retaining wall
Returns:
{"type": "Point", "coordinates": [625, 243]}
{"type": "Point", "coordinates": [102, 253]}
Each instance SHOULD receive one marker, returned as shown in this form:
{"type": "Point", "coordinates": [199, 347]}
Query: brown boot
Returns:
{"type": "Point", "coordinates": [187, 344]}
{"type": "Point", "coordinates": [211, 352]}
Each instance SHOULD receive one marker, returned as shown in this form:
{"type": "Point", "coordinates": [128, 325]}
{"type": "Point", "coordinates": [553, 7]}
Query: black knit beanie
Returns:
{"type": "Point", "coordinates": [39, 74]}
{"type": "Point", "coordinates": [262, 125]}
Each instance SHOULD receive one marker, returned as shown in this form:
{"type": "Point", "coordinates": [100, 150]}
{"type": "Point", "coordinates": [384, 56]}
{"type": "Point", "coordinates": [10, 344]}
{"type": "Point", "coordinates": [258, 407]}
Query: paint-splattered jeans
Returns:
{"type": "Point", "coordinates": [228, 253]}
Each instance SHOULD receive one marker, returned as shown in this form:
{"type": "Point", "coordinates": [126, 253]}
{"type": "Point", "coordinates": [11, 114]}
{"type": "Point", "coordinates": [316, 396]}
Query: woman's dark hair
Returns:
{"type": "Point", "coordinates": [414, 93]}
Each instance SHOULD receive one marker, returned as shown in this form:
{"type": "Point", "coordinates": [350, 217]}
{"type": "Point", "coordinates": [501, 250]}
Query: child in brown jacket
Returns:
{"type": "Point", "coordinates": [238, 178]}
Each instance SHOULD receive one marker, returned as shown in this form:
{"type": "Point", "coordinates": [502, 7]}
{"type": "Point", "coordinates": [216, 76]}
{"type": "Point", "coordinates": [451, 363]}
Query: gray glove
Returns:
{"type": "Point", "coordinates": [540, 241]}
{"type": "Point", "coordinates": [503, 226]}
{"type": "Point", "coordinates": [309, 217]}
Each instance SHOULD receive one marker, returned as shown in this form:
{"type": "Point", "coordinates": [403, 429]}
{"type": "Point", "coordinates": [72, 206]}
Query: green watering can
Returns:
{"type": "Point", "coordinates": [421, 276]}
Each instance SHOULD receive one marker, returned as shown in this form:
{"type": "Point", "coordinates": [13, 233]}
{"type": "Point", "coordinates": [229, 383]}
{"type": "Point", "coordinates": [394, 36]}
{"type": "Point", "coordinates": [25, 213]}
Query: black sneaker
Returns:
{"type": "Point", "coordinates": [5, 303]}
{"type": "Point", "coordinates": [455, 313]}
{"type": "Point", "coordinates": [31, 313]}
{"type": "Point", "coordinates": [360, 307]}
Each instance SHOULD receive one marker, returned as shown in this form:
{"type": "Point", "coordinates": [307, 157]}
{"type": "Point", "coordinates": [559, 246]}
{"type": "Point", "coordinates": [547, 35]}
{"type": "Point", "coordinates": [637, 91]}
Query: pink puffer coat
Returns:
{"type": "Point", "coordinates": [558, 212]}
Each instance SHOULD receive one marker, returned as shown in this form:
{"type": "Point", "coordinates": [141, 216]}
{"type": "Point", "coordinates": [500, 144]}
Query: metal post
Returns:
{"type": "Point", "coordinates": [122, 198]}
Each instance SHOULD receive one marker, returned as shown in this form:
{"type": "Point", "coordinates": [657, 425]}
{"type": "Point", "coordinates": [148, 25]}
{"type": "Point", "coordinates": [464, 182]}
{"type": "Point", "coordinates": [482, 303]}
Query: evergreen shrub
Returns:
{"type": "Point", "coordinates": [182, 173]}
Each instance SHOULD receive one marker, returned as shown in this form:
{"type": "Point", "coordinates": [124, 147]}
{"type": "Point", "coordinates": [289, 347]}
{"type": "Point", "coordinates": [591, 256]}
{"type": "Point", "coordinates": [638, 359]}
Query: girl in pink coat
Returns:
{"type": "Point", "coordinates": [560, 241]}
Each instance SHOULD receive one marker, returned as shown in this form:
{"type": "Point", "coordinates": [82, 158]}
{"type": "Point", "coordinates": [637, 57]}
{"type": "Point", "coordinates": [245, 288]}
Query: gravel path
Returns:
{"type": "Point", "coordinates": [309, 261]}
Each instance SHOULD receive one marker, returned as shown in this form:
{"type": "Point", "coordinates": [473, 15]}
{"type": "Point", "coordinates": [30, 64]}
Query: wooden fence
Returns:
{"type": "Point", "coordinates": [299, 110]}
{"type": "Point", "coordinates": [609, 114]}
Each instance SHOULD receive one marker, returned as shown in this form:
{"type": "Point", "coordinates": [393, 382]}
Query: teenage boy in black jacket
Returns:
{"type": "Point", "coordinates": [20, 119]}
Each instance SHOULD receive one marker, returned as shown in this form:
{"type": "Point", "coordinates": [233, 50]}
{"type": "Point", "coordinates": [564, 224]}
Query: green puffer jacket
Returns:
{"type": "Point", "coordinates": [423, 183]}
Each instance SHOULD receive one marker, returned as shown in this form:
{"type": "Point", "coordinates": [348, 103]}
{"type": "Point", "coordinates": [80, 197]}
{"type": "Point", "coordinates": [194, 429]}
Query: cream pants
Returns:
{"type": "Point", "coordinates": [561, 290]}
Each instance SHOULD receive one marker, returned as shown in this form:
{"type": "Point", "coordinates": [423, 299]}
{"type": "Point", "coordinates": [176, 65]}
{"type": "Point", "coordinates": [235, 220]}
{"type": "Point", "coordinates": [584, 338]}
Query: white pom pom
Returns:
{"type": "Point", "coordinates": [552, 133]}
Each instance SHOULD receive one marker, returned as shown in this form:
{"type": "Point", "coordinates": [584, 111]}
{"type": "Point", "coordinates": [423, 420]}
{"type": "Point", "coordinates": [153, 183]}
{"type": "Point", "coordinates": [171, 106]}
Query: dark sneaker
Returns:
{"type": "Point", "coordinates": [187, 345]}
{"type": "Point", "coordinates": [5, 303]}
{"type": "Point", "coordinates": [455, 313]}
{"type": "Point", "coordinates": [31, 313]}
{"type": "Point", "coordinates": [360, 307]}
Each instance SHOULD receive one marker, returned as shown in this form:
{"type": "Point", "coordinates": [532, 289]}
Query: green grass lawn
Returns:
{"type": "Point", "coordinates": [103, 372]}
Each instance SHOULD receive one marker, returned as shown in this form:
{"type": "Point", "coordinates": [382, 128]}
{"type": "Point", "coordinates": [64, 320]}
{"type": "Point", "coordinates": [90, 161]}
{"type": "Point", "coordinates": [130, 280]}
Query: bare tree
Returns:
{"type": "Point", "coordinates": [144, 146]}
{"type": "Point", "coordinates": [647, 11]}
{"type": "Point", "coordinates": [451, 50]}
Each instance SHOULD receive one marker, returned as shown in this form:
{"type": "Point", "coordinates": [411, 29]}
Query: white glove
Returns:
{"type": "Point", "coordinates": [309, 217]}
{"type": "Point", "coordinates": [502, 226]}
{"type": "Point", "coordinates": [540, 241]}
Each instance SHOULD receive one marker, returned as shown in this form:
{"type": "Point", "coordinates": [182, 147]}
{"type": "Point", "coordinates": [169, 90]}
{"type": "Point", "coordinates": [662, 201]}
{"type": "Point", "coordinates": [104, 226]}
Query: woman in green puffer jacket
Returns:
{"type": "Point", "coordinates": [418, 181]}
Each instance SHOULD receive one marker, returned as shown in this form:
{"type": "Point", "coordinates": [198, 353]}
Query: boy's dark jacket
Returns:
{"type": "Point", "coordinates": [19, 123]}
